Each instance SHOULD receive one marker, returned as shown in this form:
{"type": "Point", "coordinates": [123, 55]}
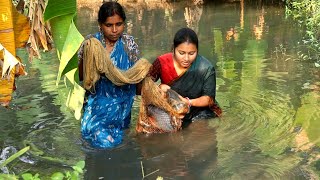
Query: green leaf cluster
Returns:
{"type": "Point", "coordinates": [67, 40]}
{"type": "Point", "coordinates": [69, 175]}
{"type": "Point", "coordinates": [73, 175]}
{"type": "Point", "coordinates": [307, 14]}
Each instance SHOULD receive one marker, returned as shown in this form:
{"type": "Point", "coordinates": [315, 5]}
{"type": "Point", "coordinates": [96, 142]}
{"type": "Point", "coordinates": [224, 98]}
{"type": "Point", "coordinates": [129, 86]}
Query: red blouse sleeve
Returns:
{"type": "Point", "coordinates": [155, 70]}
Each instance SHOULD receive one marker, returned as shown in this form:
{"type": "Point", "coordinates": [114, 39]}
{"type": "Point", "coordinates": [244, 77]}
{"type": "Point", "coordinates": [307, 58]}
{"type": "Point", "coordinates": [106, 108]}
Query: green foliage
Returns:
{"type": "Point", "coordinates": [307, 114]}
{"type": "Point", "coordinates": [56, 8]}
{"type": "Point", "coordinates": [67, 40]}
{"type": "Point", "coordinates": [15, 156]}
{"type": "Point", "coordinates": [8, 177]}
{"type": "Point", "coordinates": [73, 175]}
{"type": "Point", "coordinates": [68, 175]}
{"type": "Point", "coordinates": [29, 176]}
{"type": "Point", "coordinates": [307, 14]}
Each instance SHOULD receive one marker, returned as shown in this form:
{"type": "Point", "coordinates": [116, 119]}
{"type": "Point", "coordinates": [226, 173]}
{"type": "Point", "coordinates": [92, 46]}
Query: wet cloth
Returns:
{"type": "Point", "coordinates": [107, 110]}
{"type": "Point", "coordinates": [198, 80]}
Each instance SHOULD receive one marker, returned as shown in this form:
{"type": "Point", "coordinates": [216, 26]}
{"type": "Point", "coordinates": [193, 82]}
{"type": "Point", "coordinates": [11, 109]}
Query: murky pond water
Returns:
{"type": "Point", "coordinates": [266, 85]}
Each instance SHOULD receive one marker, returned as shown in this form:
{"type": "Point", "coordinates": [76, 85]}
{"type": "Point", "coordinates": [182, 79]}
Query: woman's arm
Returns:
{"type": "Point", "coordinates": [202, 101]}
{"type": "Point", "coordinates": [209, 91]}
{"type": "Point", "coordinates": [155, 70]}
{"type": "Point", "coordinates": [80, 60]}
{"type": "Point", "coordinates": [154, 73]}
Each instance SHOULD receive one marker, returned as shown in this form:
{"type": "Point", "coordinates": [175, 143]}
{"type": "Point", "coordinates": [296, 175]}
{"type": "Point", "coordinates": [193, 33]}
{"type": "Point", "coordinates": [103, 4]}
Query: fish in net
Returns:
{"type": "Point", "coordinates": [159, 115]}
{"type": "Point", "coordinates": [162, 118]}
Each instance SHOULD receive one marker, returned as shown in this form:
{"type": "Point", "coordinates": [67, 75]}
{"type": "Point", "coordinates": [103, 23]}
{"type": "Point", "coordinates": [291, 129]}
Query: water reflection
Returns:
{"type": "Point", "coordinates": [268, 90]}
{"type": "Point", "coordinates": [193, 13]}
{"type": "Point", "coordinates": [259, 28]}
{"type": "Point", "coordinates": [188, 154]}
{"type": "Point", "coordinates": [38, 118]}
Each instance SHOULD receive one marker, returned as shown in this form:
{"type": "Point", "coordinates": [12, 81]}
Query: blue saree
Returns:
{"type": "Point", "coordinates": [107, 111]}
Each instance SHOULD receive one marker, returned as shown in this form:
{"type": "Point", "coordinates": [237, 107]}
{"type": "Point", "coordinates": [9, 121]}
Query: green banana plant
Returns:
{"type": "Point", "coordinates": [67, 40]}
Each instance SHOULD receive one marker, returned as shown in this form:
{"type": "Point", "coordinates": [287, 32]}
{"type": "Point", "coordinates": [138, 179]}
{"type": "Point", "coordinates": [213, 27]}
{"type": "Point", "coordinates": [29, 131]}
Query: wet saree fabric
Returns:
{"type": "Point", "coordinates": [198, 80]}
{"type": "Point", "coordinates": [107, 111]}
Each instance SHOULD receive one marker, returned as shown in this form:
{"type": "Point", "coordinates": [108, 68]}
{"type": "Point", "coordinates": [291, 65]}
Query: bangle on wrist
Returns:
{"type": "Point", "coordinates": [189, 102]}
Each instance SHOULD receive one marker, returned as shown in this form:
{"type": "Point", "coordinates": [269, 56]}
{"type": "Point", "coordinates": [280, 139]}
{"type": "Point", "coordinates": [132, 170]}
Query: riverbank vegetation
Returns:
{"type": "Point", "coordinates": [307, 14]}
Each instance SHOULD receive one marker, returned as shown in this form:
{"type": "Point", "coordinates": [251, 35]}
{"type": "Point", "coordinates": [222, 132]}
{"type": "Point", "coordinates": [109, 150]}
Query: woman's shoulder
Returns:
{"type": "Point", "coordinates": [128, 38]}
{"type": "Point", "coordinates": [131, 46]}
{"type": "Point", "coordinates": [204, 64]}
{"type": "Point", "coordinates": [204, 61]}
{"type": "Point", "coordinates": [95, 35]}
{"type": "Point", "coordinates": [165, 57]}
{"type": "Point", "coordinates": [80, 51]}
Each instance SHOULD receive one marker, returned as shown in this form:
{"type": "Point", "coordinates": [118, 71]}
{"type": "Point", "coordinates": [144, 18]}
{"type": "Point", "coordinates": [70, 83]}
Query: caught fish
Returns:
{"type": "Point", "coordinates": [161, 119]}
{"type": "Point", "coordinates": [176, 102]}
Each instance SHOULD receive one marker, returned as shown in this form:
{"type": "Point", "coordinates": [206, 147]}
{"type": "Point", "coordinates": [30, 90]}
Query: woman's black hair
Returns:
{"type": "Point", "coordinates": [109, 9]}
{"type": "Point", "coordinates": [185, 35]}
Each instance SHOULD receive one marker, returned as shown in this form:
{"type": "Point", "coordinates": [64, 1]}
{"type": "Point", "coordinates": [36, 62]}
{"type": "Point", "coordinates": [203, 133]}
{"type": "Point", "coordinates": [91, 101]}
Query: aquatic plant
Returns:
{"type": "Point", "coordinates": [75, 174]}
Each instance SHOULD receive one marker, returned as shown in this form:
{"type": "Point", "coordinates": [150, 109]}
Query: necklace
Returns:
{"type": "Point", "coordinates": [104, 42]}
{"type": "Point", "coordinates": [109, 43]}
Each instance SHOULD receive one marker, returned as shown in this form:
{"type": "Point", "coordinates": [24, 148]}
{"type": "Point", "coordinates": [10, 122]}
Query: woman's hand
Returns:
{"type": "Point", "coordinates": [164, 87]}
{"type": "Point", "coordinates": [187, 101]}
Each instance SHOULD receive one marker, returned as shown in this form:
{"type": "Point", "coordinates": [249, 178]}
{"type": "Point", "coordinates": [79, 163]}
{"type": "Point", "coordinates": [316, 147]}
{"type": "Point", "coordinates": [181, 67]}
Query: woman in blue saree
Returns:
{"type": "Point", "coordinates": [189, 74]}
{"type": "Point", "coordinates": [107, 109]}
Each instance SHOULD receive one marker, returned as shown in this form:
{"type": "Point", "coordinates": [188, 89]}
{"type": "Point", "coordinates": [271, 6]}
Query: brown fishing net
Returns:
{"type": "Point", "coordinates": [158, 113]}
{"type": "Point", "coordinates": [96, 61]}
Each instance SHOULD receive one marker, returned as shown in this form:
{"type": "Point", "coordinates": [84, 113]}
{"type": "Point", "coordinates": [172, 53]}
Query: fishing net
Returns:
{"type": "Point", "coordinates": [96, 62]}
{"type": "Point", "coordinates": [158, 112]}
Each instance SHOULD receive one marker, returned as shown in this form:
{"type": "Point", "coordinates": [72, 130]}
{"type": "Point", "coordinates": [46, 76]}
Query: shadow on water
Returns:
{"type": "Point", "coordinates": [188, 154]}
{"type": "Point", "coordinates": [267, 88]}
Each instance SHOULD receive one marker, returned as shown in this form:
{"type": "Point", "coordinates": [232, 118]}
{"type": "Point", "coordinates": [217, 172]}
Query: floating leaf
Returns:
{"type": "Point", "coordinates": [27, 176]}
{"type": "Point", "coordinates": [57, 176]}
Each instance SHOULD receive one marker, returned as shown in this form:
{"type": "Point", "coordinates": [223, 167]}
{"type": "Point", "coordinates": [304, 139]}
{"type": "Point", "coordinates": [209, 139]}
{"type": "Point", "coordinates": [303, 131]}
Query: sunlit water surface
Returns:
{"type": "Point", "coordinates": [266, 85]}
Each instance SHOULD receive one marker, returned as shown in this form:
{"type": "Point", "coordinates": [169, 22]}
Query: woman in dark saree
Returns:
{"type": "Point", "coordinates": [189, 74]}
